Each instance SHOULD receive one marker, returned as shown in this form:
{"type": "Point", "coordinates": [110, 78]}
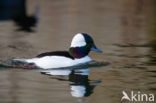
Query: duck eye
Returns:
{"type": "Point", "coordinates": [89, 42]}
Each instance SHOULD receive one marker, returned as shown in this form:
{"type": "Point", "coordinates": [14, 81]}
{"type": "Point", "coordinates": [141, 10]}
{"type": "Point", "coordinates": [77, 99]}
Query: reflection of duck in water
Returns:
{"type": "Point", "coordinates": [78, 52]}
{"type": "Point", "coordinates": [79, 82]}
{"type": "Point", "coordinates": [80, 85]}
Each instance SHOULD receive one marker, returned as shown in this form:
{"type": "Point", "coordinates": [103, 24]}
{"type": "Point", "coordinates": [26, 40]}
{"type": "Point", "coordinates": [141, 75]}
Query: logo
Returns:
{"type": "Point", "coordinates": [137, 96]}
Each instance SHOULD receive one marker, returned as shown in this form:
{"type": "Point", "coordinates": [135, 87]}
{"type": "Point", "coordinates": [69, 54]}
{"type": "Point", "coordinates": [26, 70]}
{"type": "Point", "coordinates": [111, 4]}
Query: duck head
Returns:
{"type": "Point", "coordinates": [81, 45]}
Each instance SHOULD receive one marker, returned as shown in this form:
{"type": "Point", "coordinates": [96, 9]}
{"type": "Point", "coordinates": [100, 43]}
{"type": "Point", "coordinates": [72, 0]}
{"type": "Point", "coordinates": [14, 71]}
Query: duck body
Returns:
{"type": "Point", "coordinates": [77, 54]}
{"type": "Point", "coordinates": [57, 59]}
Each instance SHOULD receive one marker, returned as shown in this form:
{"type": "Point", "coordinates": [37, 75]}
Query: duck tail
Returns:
{"type": "Point", "coordinates": [22, 63]}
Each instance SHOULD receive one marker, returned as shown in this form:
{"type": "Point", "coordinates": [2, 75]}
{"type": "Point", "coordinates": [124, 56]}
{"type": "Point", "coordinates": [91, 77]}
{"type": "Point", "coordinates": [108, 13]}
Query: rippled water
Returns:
{"type": "Point", "coordinates": [124, 29]}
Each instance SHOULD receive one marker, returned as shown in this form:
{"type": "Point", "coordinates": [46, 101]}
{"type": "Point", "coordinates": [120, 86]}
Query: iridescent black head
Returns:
{"type": "Point", "coordinates": [81, 45]}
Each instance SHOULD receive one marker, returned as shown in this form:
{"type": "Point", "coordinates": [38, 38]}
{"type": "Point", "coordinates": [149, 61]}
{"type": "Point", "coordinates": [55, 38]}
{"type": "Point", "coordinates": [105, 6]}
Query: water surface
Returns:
{"type": "Point", "coordinates": [125, 31]}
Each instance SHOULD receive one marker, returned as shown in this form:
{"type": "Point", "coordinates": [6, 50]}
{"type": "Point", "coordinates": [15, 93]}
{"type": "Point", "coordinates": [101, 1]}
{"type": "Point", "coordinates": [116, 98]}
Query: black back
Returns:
{"type": "Point", "coordinates": [56, 53]}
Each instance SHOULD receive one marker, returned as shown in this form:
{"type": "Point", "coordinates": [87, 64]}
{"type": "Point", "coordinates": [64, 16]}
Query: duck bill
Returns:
{"type": "Point", "coordinates": [94, 48]}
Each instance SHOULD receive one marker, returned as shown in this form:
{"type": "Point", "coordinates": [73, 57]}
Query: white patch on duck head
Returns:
{"type": "Point", "coordinates": [78, 41]}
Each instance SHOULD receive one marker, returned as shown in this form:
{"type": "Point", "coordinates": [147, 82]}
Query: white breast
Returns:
{"type": "Point", "coordinates": [48, 62]}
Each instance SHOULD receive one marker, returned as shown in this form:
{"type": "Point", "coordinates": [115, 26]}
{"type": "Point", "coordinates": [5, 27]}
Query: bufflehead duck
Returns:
{"type": "Point", "coordinates": [81, 45]}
